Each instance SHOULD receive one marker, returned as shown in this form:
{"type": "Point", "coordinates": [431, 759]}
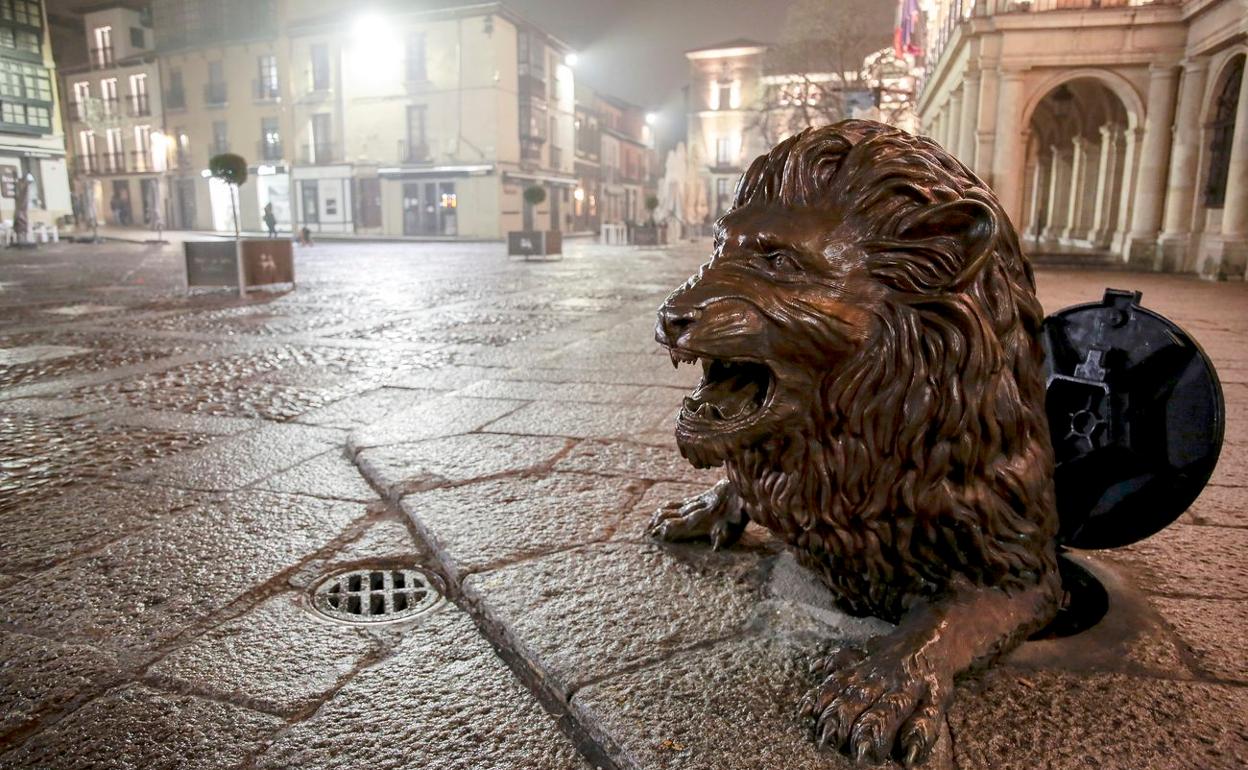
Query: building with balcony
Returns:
{"type": "Point", "coordinates": [226, 88]}
{"type": "Point", "coordinates": [113, 118]}
{"type": "Point", "coordinates": [1117, 129]}
{"type": "Point", "coordinates": [745, 96]}
{"type": "Point", "coordinates": [429, 123]}
{"type": "Point", "coordinates": [32, 145]}
{"type": "Point", "coordinates": [628, 162]}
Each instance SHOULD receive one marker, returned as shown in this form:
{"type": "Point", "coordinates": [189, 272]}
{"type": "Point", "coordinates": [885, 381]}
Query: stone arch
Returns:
{"type": "Point", "coordinates": [1077, 160]}
{"type": "Point", "coordinates": [1116, 83]}
{"type": "Point", "coordinates": [1220, 110]}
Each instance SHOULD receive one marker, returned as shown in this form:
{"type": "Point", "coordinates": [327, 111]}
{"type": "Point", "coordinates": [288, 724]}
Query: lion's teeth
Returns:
{"type": "Point", "coordinates": [675, 360]}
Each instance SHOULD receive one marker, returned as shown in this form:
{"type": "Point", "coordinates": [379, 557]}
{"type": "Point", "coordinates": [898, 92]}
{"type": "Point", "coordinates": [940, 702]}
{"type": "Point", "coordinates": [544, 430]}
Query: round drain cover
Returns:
{"type": "Point", "coordinates": [374, 595]}
{"type": "Point", "coordinates": [1136, 417]}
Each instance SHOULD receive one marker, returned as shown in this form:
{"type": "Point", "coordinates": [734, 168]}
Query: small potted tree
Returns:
{"type": "Point", "coordinates": [231, 169]}
{"type": "Point", "coordinates": [530, 241]}
{"type": "Point", "coordinates": [649, 234]}
{"type": "Point", "coordinates": [250, 261]}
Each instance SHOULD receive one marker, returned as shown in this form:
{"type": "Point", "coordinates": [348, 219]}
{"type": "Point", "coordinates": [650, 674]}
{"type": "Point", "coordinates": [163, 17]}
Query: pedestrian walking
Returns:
{"type": "Point", "coordinates": [270, 220]}
{"type": "Point", "coordinates": [305, 236]}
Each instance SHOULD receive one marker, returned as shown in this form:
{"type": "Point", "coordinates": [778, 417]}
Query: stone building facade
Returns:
{"type": "Point", "coordinates": [391, 120]}
{"type": "Point", "coordinates": [1115, 128]}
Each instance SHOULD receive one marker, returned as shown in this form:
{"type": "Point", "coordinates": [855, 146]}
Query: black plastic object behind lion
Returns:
{"type": "Point", "coordinates": [1136, 414]}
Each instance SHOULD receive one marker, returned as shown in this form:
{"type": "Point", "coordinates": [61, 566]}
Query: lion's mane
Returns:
{"type": "Point", "coordinates": [927, 460]}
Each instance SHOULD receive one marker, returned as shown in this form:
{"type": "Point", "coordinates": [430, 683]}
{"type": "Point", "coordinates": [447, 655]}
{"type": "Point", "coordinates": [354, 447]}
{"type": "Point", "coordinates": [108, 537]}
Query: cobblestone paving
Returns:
{"type": "Point", "coordinates": [177, 473]}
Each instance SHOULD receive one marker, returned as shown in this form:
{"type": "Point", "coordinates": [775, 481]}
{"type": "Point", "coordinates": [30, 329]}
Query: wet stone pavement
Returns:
{"type": "Point", "coordinates": [179, 474]}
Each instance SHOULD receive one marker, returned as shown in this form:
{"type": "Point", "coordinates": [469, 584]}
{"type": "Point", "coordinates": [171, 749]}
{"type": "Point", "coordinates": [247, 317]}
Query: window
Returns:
{"type": "Point", "coordinates": [26, 81]}
{"type": "Point", "coordinates": [108, 92]}
{"type": "Point", "coordinates": [139, 106]}
{"type": "Point", "coordinates": [138, 39]}
{"type": "Point", "coordinates": [1222, 134]}
{"type": "Point", "coordinates": [176, 98]}
{"type": "Point", "coordinates": [724, 98]}
{"type": "Point", "coordinates": [309, 193]}
{"type": "Point", "coordinates": [320, 66]}
{"type": "Point", "coordinates": [115, 153]}
{"type": "Point", "coordinates": [20, 40]}
{"type": "Point", "coordinates": [82, 95]}
{"type": "Point", "coordinates": [723, 151]}
{"type": "Point", "coordinates": [220, 137]}
{"type": "Point", "coordinates": [416, 58]}
{"type": "Point", "coordinates": [102, 55]}
{"type": "Point", "coordinates": [21, 12]}
{"type": "Point", "coordinates": [723, 194]}
{"type": "Point", "coordinates": [417, 142]}
{"type": "Point", "coordinates": [142, 148]}
{"type": "Point", "coordinates": [214, 89]}
{"type": "Point", "coordinates": [86, 150]}
{"type": "Point", "coordinates": [28, 115]}
{"type": "Point", "coordinates": [270, 139]}
{"type": "Point", "coordinates": [267, 82]}
{"type": "Point", "coordinates": [322, 136]}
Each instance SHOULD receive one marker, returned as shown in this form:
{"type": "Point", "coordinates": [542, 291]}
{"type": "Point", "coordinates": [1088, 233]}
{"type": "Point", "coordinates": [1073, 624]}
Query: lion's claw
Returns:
{"type": "Point", "coordinates": [875, 707]}
{"type": "Point", "coordinates": [716, 515]}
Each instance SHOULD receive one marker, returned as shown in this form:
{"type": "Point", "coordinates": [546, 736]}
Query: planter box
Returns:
{"type": "Point", "coordinates": [649, 235]}
{"type": "Point", "coordinates": [239, 264]}
{"type": "Point", "coordinates": [534, 243]}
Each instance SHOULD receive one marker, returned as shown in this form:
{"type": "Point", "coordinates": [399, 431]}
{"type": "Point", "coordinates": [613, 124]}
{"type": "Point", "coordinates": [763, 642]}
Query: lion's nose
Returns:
{"type": "Point", "coordinates": [674, 321]}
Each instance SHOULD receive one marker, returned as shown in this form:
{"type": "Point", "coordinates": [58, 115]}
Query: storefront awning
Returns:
{"type": "Point", "coordinates": [517, 176]}
{"type": "Point", "coordinates": [420, 172]}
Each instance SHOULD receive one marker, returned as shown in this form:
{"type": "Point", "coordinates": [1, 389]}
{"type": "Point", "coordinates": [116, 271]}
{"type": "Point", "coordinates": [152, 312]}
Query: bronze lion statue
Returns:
{"type": "Point", "coordinates": [873, 385]}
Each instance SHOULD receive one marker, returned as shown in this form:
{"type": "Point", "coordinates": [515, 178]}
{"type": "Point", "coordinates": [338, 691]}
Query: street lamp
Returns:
{"type": "Point", "coordinates": [571, 59]}
{"type": "Point", "coordinates": [652, 118]}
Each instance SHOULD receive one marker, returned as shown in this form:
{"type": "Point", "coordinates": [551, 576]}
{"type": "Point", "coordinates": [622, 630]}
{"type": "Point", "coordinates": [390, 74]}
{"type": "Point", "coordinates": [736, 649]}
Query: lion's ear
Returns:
{"type": "Point", "coordinates": [970, 223]}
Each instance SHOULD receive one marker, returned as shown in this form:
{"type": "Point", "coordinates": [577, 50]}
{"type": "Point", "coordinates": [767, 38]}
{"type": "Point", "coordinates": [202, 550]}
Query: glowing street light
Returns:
{"type": "Point", "coordinates": [571, 59]}
{"type": "Point", "coordinates": [652, 118]}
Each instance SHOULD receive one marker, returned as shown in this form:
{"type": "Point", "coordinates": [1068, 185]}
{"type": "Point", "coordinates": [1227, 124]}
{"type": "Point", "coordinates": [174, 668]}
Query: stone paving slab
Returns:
{"type": "Point", "coordinates": [442, 700]}
{"type": "Point", "coordinates": [38, 675]}
{"type": "Point", "coordinates": [374, 406]}
{"type": "Point", "coordinates": [1022, 720]}
{"type": "Point", "coordinates": [80, 520]}
{"type": "Point", "coordinates": [142, 590]}
{"type": "Point", "coordinates": [423, 465]}
{"type": "Point", "coordinates": [445, 416]}
{"type": "Point", "coordinates": [581, 420]}
{"type": "Point", "coordinates": [585, 614]}
{"type": "Point", "coordinates": [330, 475]}
{"type": "Point", "coordinates": [631, 460]}
{"type": "Point", "coordinates": [162, 732]}
{"type": "Point", "coordinates": [239, 461]}
{"type": "Point", "coordinates": [1192, 561]}
{"type": "Point", "coordinates": [1214, 630]}
{"type": "Point", "coordinates": [484, 524]}
{"type": "Point", "coordinates": [278, 657]}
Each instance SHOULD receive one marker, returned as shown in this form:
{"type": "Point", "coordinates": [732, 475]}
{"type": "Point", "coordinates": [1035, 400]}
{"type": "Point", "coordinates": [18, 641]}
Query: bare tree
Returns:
{"type": "Point", "coordinates": [813, 75]}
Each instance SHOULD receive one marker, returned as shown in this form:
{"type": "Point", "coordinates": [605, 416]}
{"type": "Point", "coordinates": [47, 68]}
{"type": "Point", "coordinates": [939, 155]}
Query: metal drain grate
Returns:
{"type": "Point", "coordinates": [374, 595]}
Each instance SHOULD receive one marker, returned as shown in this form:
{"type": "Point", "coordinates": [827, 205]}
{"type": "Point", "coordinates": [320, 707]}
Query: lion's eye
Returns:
{"type": "Point", "coordinates": [780, 260]}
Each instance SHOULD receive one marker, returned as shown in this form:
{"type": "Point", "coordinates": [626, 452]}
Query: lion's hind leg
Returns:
{"type": "Point", "coordinates": [717, 515]}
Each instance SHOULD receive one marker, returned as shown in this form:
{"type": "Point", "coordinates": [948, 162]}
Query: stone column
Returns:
{"type": "Point", "coordinates": [1078, 183]}
{"type": "Point", "coordinates": [986, 126]}
{"type": "Point", "coordinates": [970, 118]}
{"type": "Point", "coordinates": [1154, 162]}
{"type": "Point", "coordinates": [1091, 178]}
{"type": "Point", "coordinates": [1059, 192]}
{"type": "Point", "coordinates": [1234, 211]}
{"type": "Point", "coordinates": [1175, 237]}
{"type": "Point", "coordinates": [955, 122]}
{"type": "Point", "coordinates": [1130, 178]}
{"type": "Point", "coordinates": [1011, 141]}
{"type": "Point", "coordinates": [1037, 201]}
{"type": "Point", "coordinates": [1107, 184]}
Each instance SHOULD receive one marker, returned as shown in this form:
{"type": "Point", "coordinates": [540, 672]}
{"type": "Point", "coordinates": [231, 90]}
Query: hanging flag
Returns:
{"type": "Point", "coordinates": [906, 33]}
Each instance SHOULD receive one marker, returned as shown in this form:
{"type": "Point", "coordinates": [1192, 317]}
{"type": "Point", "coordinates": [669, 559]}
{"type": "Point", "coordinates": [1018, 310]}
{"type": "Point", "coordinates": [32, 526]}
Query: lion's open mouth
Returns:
{"type": "Point", "coordinates": [731, 391]}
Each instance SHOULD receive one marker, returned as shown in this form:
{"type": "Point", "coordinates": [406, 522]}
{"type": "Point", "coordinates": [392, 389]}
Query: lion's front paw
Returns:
{"type": "Point", "coordinates": [879, 705]}
{"type": "Point", "coordinates": [716, 514]}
